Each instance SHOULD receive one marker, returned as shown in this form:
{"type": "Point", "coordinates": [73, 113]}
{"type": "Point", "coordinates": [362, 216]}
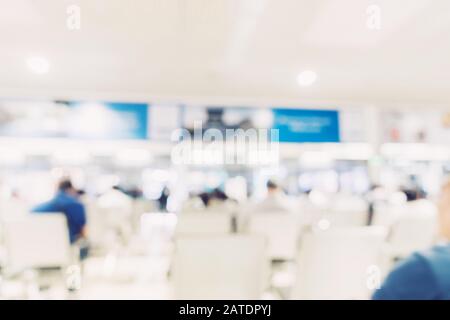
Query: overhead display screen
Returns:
{"type": "Point", "coordinates": [301, 125]}
{"type": "Point", "coordinates": [123, 120]}
{"type": "Point", "coordinates": [293, 125]}
{"type": "Point", "coordinates": [73, 119]}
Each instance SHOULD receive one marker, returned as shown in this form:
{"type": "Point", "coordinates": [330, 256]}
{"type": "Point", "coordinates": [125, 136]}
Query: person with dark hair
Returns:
{"type": "Point", "coordinates": [218, 194]}
{"type": "Point", "coordinates": [411, 194]}
{"type": "Point", "coordinates": [205, 197]}
{"type": "Point", "coordinates": [219, 201]}
{"type": "Point", "coordinates": [163, 198]}
{"type": "Point", "coordinates": [275, 200]}
{"type": "Point", "coordinates": [374, 196]}
{"type": "Point", "coordinates": [271, 186]}
{"type": "Point", "coordinates": [66, 202]}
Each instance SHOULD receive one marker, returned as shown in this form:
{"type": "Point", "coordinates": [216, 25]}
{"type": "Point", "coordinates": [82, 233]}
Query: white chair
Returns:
{"type": "Point", "coordinates": [97, 226]}
{"type": "Point", "coordinates": [219, 267]}
{"type": "Point", "coordinates": [157, 230]}
{"type": "Point", "coordinates": [281, 230]}
{"type": "Point", "coordinates": [346, 202]}
{"type": "Point", "coordinates": [415, 228]}
{"type": "Point", "coordinates": [111, 228]}
{"type": "Point", "coordinates": [141, 207]}
{"type": "Point", "coordinates": [197, 223]}
{"type": "Point", "coordinates": [308, 213]}
{"type": "Point", "coordinates": [347, 211]}
{"type": "Point", "coordinates": [386, 214]}
{"type": "Point", "coordinates": [116, 210]}
{"type": "Point", "coordinates": [336, 264]}
{"type": "Point", "coordinates": [10, 209]}
{"type": "Point", "coordinates": [350, 218]}
{"type": "Point", "coordinates": [37, 241]}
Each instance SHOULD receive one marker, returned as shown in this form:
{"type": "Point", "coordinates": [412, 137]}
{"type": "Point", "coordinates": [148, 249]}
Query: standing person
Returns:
{"type": "Point", "coordinates": [66, 201]}
{"type": "Point", "coordinates": [424, 275]}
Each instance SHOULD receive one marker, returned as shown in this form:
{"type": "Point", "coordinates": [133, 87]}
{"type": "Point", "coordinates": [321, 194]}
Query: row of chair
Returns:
{"type": "Point", "coordinates": [335, 264]}
{"type": "Point", "coordinates": [281, 229]}
{"type": "Point", "coordinates": [410, 227]}
{"type": "Point", "coordinates": [210, 261]}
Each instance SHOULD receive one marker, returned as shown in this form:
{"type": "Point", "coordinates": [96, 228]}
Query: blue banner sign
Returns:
{"type": "Point", "coordinates": [109, 120]}
{"type": "Point", "coordinates": [301, 125]}
{"type": "Point", "coordinates": [73, 119]}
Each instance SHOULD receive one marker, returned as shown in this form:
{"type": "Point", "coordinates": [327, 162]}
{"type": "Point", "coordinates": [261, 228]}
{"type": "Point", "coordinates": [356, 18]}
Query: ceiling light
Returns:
{"type": "Point", "coordinates": [306, 78]}
{"type": "Point", "coordinates": [38, 65]}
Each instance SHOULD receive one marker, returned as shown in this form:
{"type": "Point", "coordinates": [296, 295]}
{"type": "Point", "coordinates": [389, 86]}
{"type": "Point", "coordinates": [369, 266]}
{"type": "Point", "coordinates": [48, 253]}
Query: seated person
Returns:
{"type": "Point", "coordinates": [66, 201]}
{"type": "Point", "coordinates": [217, 201]}
{"type": "Point", "coordinates": [424, 275]}
{"type": "Point", "coordinates": [275, 200]}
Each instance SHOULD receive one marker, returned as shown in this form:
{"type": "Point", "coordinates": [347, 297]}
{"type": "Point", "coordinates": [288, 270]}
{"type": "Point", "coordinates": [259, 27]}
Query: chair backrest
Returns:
{"type": "Point", "coordinates": [344, 203]}
{"type": "Point", "coordinates": [37, 241]}
{"type": "Point", "coordinates": [347, 211]}
{"type": "Point", "coordinates": [386, 214]}
{"type": "Point", "coordinates": [115, 216]}
{"type": "Point", "coordinates": [219, 267]}
{"type": "Point", "coordinates": [12, 208]}
{"type": "Point", "coordinates": [335, 264]}
{"type": "Point", "coordinates": [141, 207]}
{"type": "Point", "coordinates": [194, 223]}
{"type": "Point", "coordinates": [414, 229]}
{"type": "Point", "coordinates": [157, 230]}
{"type": "Point", "coordinates": [349, 218]}
{"type": "Point", "coordinates": [281, 230]}
{"type": "Point", "coordinates": [116, 209]}
{"type": "Point", "coordinates": [97, 224]}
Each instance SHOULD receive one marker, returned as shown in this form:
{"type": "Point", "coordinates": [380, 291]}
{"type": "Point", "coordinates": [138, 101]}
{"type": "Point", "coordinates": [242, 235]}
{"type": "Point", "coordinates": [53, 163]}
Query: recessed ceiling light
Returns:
{"type": "Point", "coordinates": [306, 78]}
{"type": "Point", "coordinates": [38, 65]}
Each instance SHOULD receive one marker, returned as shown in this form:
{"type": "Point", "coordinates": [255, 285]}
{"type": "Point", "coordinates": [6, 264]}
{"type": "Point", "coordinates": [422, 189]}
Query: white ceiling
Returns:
{"type": "Point", "coordinates": [231, 48]}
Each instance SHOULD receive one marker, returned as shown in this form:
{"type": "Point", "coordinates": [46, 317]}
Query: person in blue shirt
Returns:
{"type": "Point", "coordinates": [424, 275]}
{"type": "Point", "coordinates": [66, 201]}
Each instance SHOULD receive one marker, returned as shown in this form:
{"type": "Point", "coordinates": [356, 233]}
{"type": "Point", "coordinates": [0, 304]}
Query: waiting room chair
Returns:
{"type": "Point", "coordinates": [338, 263]}
{"type": "Point", "coordinates": [347, 211]}
{"type": "Point", "coordinates": [281, 230]}
{"type": "Point", "coordinates": [203, 222]}
{"type": "Point", "coordinates": [219, 267]}
{"type": "Point", "coordinates": [414, 229]}
{"type": "Point", "coordinates": [37, 241]}
{"type": "Point", "coordinates": [157, 231]}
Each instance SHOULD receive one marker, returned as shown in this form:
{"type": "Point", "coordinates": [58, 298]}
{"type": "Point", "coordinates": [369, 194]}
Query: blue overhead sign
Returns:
{"type": "Point", "coordinates": [301, 125]}
{"type": "Point", "coordinates": [73, 119]}
{"type": "Point", "coordinates": [121, 120]}
{"type": "Point", "coordinates": [109, 120]}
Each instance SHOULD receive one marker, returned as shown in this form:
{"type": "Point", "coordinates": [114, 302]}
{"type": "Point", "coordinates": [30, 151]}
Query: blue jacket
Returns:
{"type": "Point", "coordinates": [423, 276]}
{"type": "Point", "coordinates": [72, 209]}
